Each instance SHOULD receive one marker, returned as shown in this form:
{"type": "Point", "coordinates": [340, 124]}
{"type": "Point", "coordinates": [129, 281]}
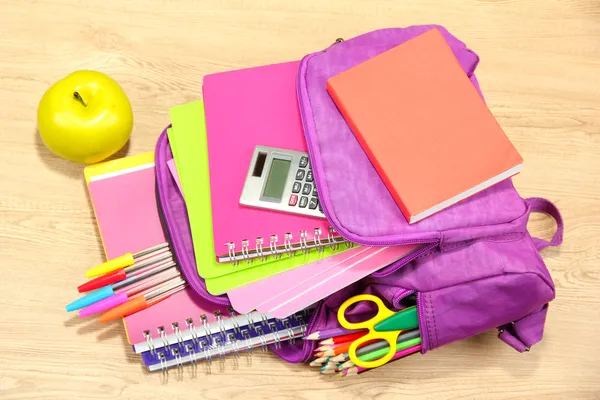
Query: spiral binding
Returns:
{"type": "Point", "coordinates": [234, 319]}
{"type": "Point", "coordinates": [207, 332]}
{"type": "Point", "coordinates": [192, 329]}
{"type": "Point", "coordinates": [288, 327]}
{"type": "Point", "coordinates": [163, 337]}
{"type": "Point", "coordinates": [276, 250]}
{"type": "Point", "coordinates": [222, 328]}
{"type": "Point", "coordinates": [205, 341]}
{"type": "Point", "coordinates": [261, 337]}
{"type": "Point", "coordinates": [234, 343]}
{"type": "Point", "coordinates": [190, 350]}
{"type": "Point", "coordinates": [178, 335]}
{"type": "Point", "coordinates": [163, 362]}
{"type": "Point", "coordinates": [273, 328]}
{"type": "Point", "coordinates": [150, 342]}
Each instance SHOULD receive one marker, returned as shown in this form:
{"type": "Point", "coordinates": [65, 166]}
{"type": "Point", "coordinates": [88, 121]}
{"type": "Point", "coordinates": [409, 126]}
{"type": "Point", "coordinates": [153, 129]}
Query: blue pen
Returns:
{"type": "Point", "coordinates": [109, 290]}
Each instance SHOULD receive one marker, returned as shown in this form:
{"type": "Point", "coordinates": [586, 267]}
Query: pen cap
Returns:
{"type": "Point", "coordinates": [111, 265]}
{"type": "Point", "coordinates": [103, 305]}
{"type": "Point", "coordinates": [90, 298]}
{"type": "Point", "coordinates": [106, 279]}
{"type": "Point", "coordinates": [132, 306]}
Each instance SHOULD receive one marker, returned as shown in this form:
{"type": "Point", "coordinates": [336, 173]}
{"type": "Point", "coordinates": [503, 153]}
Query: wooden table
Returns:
{"type": "Point", "coordinates": [539, 72]}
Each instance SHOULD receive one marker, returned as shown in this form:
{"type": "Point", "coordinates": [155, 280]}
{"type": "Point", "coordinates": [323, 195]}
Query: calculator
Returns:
{"type": "Point", "coordinates": [281, 180]}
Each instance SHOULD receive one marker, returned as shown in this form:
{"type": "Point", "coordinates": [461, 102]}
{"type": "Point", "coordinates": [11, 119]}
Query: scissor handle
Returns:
{"type": "Point", "coordinates": [390, 336]}
{"type": "Point", "coordinates": [382, 312]}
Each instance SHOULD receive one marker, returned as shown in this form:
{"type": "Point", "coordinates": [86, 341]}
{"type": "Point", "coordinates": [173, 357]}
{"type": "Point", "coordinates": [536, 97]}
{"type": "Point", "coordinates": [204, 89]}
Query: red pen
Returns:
{"type": "Point", "coordinates": [124, 294]}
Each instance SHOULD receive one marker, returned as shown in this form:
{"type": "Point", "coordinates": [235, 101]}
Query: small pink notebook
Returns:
{"type": "Point", "coordinates": [124, 203]}
{"type": "Point", "coordinates": [127, 216]}
{"type": "Point", "coordinates": [245, 108]}
{"type": "Point", "coordinates": [334, 279]}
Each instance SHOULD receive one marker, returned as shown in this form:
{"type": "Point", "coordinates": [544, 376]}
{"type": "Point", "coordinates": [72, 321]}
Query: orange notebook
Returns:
{"type": "Point", "coordinates": [424, 126]}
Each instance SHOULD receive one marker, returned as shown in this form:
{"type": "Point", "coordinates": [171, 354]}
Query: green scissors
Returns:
{"type": "Point", "coordinates": [386, 325]}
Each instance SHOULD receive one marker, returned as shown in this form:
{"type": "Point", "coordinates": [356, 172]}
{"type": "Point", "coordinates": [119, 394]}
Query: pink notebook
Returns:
{"type": "Point", "coordinates": [334, 279]}
{"type": "Point", "coordinates": [124, 203]}
{"type": "Point", "coordinates": [126, 213]}
{"type": "Point", "coordinates": [245, 108]}
{"type": "Point", "coordinates": [250, 297]}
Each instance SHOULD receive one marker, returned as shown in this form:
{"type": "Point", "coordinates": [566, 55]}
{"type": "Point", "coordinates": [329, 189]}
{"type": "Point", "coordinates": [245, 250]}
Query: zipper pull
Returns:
{"type": "Point", "coordinates": [338, 40]}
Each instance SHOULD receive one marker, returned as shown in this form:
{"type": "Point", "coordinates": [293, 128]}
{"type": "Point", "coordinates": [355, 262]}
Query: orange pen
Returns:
{"type": "Point", "coordinates": [144, 300]}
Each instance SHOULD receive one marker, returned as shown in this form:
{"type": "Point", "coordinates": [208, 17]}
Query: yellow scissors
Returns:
{"type": "Point", "coordinates": [386, 325]}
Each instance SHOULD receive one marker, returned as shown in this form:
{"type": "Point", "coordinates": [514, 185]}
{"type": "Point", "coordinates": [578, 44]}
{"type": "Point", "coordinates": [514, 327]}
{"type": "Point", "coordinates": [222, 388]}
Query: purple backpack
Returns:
{"type": "Point", "coordinates": [479, 269]}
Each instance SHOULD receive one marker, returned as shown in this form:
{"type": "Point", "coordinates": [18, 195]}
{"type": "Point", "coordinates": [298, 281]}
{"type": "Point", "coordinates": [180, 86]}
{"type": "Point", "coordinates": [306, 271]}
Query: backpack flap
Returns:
{"type": "Point", "coordinates": [342, 169]}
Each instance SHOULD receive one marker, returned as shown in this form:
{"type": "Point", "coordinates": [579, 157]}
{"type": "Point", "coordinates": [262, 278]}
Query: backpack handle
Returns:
{"type": "Point", "coordinates": [527, 331]}
{"type": "Point", "coordinates": [539, 204]}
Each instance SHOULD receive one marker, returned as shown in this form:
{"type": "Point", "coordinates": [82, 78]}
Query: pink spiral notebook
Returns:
{"type": "Point", "coordinates": [250, 297]}
{"type": "Point", "coordinates": [124, 203]}
{"type": "Point", "coordinates": [334, 279]}
{"type": "Point", "coordinates": [245, 108]}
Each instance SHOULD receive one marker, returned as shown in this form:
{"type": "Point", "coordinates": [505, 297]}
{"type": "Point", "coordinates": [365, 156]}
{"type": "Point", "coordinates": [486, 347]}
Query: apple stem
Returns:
{"type": "Point", "coordinates": [78, 97]}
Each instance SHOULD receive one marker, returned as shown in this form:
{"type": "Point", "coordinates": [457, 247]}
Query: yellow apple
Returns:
{"type": "Point", "coordinates": [85, 117]}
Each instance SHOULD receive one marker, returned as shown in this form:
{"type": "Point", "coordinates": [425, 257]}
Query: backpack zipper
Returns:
{"type": "Point", "coordinates": [165, 221]}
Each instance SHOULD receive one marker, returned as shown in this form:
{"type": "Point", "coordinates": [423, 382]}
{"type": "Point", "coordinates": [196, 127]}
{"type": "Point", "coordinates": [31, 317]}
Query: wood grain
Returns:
{"type": "Point", "coordinates": [539, 72]}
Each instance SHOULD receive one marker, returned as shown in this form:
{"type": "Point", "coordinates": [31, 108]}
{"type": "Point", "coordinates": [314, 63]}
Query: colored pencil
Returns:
{"type": "Point", "coordinates": [404, 336]}
{"type": "Point", "coordinates": [330, 347]}
{"type": "Point", "coordinates": [340, 349]}
{"type": "Point", "coordinates": [329, 333]}
{"type": "Point", "coordinates": [343, 348]}
{"type": "Point", "coordinates": [375, 355]}
{"type": "Point", "coordinates": [343, 338]}
{"type": "Point", "coordinates": [329, 366]}
{"type": "Point", "coordinates": [328, 372]}
{"type": "Point", "coordinates": [319, 362]}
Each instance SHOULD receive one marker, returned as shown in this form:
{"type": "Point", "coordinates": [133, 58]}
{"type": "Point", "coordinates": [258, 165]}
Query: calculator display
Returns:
{"type": "Point", "coordinates": [277, 178]}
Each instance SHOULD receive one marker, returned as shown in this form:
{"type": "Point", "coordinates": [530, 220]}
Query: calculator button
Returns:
{"type": "Point", "coordinates": [303, 201]}
{"type": "Point", "coordinates": [303, 161]}
{"type": "Point", "coordinates": [313, 203]}
{"type": "Point", "coordinates": [293, 200]}
{"type": "Point", "coordinates": [307, 188]}
{"type": "Point", "coordinates": [309, 176]}
{"type": "Point", "coordinates": [297, 187]}
{"type": "Point", "coordinates": [299, 174]}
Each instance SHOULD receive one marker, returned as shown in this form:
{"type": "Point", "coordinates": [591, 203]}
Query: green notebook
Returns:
{"type": "Point", "coordinates": [188, 142]}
